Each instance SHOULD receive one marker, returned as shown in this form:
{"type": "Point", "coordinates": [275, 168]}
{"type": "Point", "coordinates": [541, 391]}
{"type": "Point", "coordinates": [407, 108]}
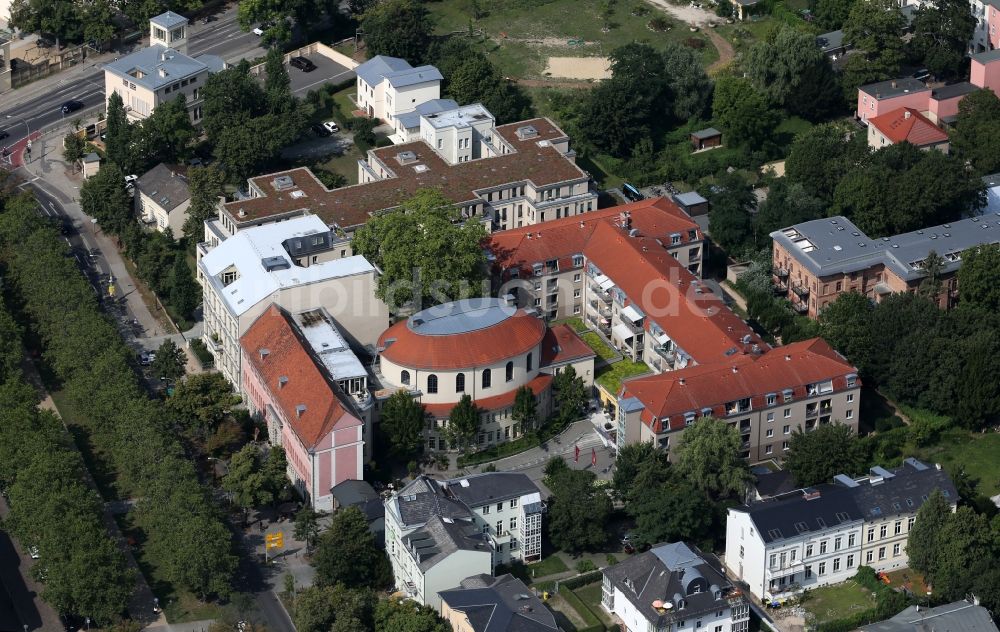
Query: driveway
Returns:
{"type": "Point", "coordinates": [701, 18]}
{"type": "Point", "coordinates": [327, 72]}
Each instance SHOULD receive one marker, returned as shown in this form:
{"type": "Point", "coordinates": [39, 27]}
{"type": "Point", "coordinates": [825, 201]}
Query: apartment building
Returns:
{"type": "Point", "coordinates": [295, 265]}
{"type": "Point", "coordinates": [483, 603]}
{"type": "Point", "coordinates": [467, 525]}
{"type": "Point", "coordinates": [388, 87]}
{"type": "Point", "coordinates": [821, 535]}
{"type": "Point", "coordinates": [766, 396]}
{"type": "Point", "coordinates": [906, 125]}
{"type": "Point", "coordinates": [302, 379]}
{"type": "Point", "coordinates": [815, 262]}
{"type": "Point", "coordinates": [966, 615]}
{"type": "Point", "coordinates": [162, 198]}
{"type": "Point", "coordinates": [516, 175]}
{"type": "Point", "coordinates": [544, 266]}
{"type": "Point", "coordinates": [162, 71]}
{"type": "Point", "coordinates": [673, 587]}
{"type": "Point", "coordinates": [485, 348]}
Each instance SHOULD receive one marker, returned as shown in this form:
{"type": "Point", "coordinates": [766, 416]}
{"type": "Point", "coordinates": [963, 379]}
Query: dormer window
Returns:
{"type": "Point", "coordinates": [228, 277]}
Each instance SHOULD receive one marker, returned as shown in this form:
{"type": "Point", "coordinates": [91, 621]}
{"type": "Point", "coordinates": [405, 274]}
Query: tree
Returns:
{"type": "Point", "coordinates": [967, 553]}
{"type": "Point", "coordinates": [924, 544]}
{"type": "Point", "coordinates": [792, 72]}
{"type": "Point", "coordinates": [817, 456]}
{"type": "Point", "coordinates": [941, 33]}
{"type": "Point", "coordinates": [577, 511]}
{"type": "Point", "coordinates": [979, 278]}
{"type": "Point", "coordinates": [831, 14]}
{"type": "Point", "coordinates": [307, 525]}
{"type": "Point", "coordinates": [230, 98]}
{"type": "Point", "coordinates": [74, 147]}
{"type": "Point", "coordinates": [277, 84]}
{"type": "Point", "coordinates": [60, 18]}
{"type": "Point", "coordinates": [708, 456]}
{"type": "Point", "coordinates": [976, 137]}
{"type": "Point", "coordinates": [820, 157]}
{"type": "Point", "coordinates": [334, 608]}
{"type": "Point", "coordinates": [632, 459]}
{"type": "Point", "coordinates": [846, 324]}
{"type": "Point", "coordinates": [730, 222]}
{"type": "Point", "coordinates": [205, 188]}
{"type": "Point", "coordinates": [570, 394]}
{"type": "Point", "coordinates": [98, 22]}
{"type": "Point", "coordinates": [424, 251]}
{"type": "Point", "coordinates": [874, 27]}
{"type": "Point", "coordinates": [185, 293]}
{"type": "Point", "coordinates": [399, 28]}
{"type": "Point", "coordinates": [478, 80]}
{"type": "Point", "coordinates": [787, 203]}
{"type": "Point", "coordinates": [612, 120]}
{"type": "Point", "coordinates": [742, 112]}
{"type": "Point", "coordinates": [103, 197]}
{"type": "Point", "coordinates": [668, 513]}
{"type": "Point", "coordinates": [202, 401]}
{"type": "Point", "coordinates": [463, 423]}
{"type": "Point", "coordinates": [524, 410]}
{"type": "Point", "coordinates": [118, 138]}
{"type": "Point", "coordinates": [403, 423]}
{"type": "Point", "coordinates": [170, 361]}
{"type": "Point", "coordinates": [403, 615]}
{"type": "Point", "coordinates": [252, 480]}
{"type": "Point", "coordinates": [164, 136]}
{"type": "Point", "coordinates": [347, 554]}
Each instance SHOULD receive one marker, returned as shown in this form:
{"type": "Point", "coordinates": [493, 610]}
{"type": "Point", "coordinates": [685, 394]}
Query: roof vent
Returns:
{"type": "Point", "coordinates": [810, 493]}
{"type": "Point", "coordinates": [406, 157]}
{"type": "Point", "coordinates": [906, 114]}
{"type": "Point", "coordinates": [264, 353]}
{"type": "Point", "coordinates": [526, 131]}
{"type": "Point", "coordinates": [241, 213]}
{"type": "Point", "coordinates": [300, 409]}
{"type": "Point", "coordinates": [420, 168]}
{"type": "Point", "coordinates": [282, 381]}
{"type": "Point", "coordinates": [281, 183]}
{"type": "Point", "coordinates": [682, 381]}
{"type": "Point", "coordinates": [735, 370]}
{"type": "Point", "coordinates": [788, 358]}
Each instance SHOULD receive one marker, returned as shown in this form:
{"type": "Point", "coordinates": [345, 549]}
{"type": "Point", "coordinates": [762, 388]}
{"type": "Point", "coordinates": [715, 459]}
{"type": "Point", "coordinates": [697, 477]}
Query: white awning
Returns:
{"type": "Point", "coordinates": [632, 314]}
{"type": "Point", "coordinates": [662, 338]}
{"type": "Point", "coordinates": [605, 282]}
{"type": "Point", "coordinates": [621, 331]}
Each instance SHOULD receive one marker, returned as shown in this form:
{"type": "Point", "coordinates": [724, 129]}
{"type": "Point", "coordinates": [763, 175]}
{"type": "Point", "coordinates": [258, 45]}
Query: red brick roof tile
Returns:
{"type": "Point", "coordinates": [561, 344]}
{"type": "Point", "coordinates": [907, 124]}
{"type": "Point", "coordinates": [288, 357]}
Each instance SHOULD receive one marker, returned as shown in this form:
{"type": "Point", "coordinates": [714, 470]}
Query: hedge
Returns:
{"type": "Point", "coordinates": [582, 580]}
{"type": "Point", "coordinates": [529, 440]}
{"type": "Point", "coordinates": [591, 620]}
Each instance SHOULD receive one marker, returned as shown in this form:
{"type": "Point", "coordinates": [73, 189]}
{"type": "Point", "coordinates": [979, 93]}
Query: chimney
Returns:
{"type": "Point", "coordinates": [282, 381]}
{"type": "Point", "coordinates": [906, 114]}
{"type": "Point", "coordinates": [263, 353]}
{"type": "Point", "coordinates": [299, 410]}
{"type": "Point", "coordinates": [810, 493]}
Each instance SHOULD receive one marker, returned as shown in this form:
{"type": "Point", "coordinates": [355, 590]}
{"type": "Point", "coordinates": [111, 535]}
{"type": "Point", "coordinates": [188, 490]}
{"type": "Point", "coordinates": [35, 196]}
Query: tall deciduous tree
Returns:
{"type": "Point", "coordinates": [307, 526]}
{"type": "Point", "coordinates": [820, 157]}
{"type": "Point", "coordinates": [164, 136]}
{"type": "Point", "coordinates": [976, 137]}
{"type": "Point", "coordinates": [669, 512]}
{"type": "Point", "coordinates": [941, 33]}
{"type": "Point", "coordinates": [577, 512]}
{"type": "Point", "coordinates": [424, 239]}
{"type": "Point", "coordinates": [404, 615]}
{"type": "Point", "coordinates": [979, 277]}
{"type": "Point", "coordinates": [169, 362]}
{"type": "Point", "coordinates": [118, 139]}
{"type": "Point", "coordinates": [708, 456]}
{"type": "Point", "coordinates": [742, 112]}
{"type": "Point", "coordinates": [632, 459]}
{"type": "Point", "coordinates": [463, 423]}
{"type": "Point", "coordinates": [254, 480]}
{"type": "Point", "coordinates": [60, 18]}
{"type": "Point", "coordinates": [924, 545]}
{"type": "Point", "coordinates": [875, 28]}
{"type": "Point", "coordinates": [185, 293]}
{"type": "Point", "coordinates": [792, 72]}
{"type": "Point", "coordinates": [730, 222]}
{"type": "Point", "coordinates": [570, 394]}
{"type": "Point", "coordinates": [347, 554]}
{"type": "Point", "coordinates": [787, 203]}
{"type": "Point", "coordinates": [104, 198]}
{"type": "Point", "coordinates": [202, 401]}
{"type": "Point", "coordinates": [205, 188]}
{"type": "Point", "coordinates": [817, 456]}
{"type": "Point", "coordinates": [399, 28]}
{"type": "Point", "coordinates": [403, 424]}
{"type": "Point", "coordinates": [524, 410]}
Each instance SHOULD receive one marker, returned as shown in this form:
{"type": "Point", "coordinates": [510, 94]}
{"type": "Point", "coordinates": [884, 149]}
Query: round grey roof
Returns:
{"type": "Point", "coordinates": [459, 317]}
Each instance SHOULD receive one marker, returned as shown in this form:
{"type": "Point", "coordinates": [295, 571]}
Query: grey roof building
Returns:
{"type": "Point", "coordinates": [894, 88]}
{"type": "Point", "coordinates": [162, 198]}
{"type": "Point", "coordinates": [960, 616]}
{"type": "Point", "coordinates": [671, 583]}
{"type": "Point", "coordinates": [168, 20]}
{"type": "Point", "coordinates": [496, 604]}
{"type": "Point", "coordinates": [361, 494]}
{"type": "Point", "coordinates": [156, 67]}
{"type": "Point", "coordinates": [440, 537]}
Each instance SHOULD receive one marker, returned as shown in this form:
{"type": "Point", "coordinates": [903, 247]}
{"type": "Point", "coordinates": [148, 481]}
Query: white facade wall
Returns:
{"type": "Point", "coordinates": [371, 98]}
{"type": "Point", "coordinates": [635, 621]}
{"type": "Point", "coordinates": [447, 574]}
{"type": "Point", "coordinates": [407, 98]}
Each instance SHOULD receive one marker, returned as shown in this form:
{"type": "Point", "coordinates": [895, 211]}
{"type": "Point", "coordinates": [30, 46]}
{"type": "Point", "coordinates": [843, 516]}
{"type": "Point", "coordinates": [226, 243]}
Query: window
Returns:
{"type": "Point", "coordinates": [771, 399]}
{"type": "Point", "coordinates": [499, 527]}
{"type": "Point", "coordinates": [909, 524]}
{"type": "Point", "coordinates": [836, 564]}
{"type": "Point", "coordinates": [850, 398]}
{"type": "Point", "coordinates": [850, 540]}
{"type": "Point", "coordinates": [576, 278]}
{"type": "Point", "coordinates": [460, 383]}
{"type": "Point", "coordinates": [513, 545]}
{"type": "Point", "coordinates": [404, 377]}
{"type": "Point", "coordinates": [510, 371]}
{"type": "Point", "coordinates": [895, 550]}
{"type": "Point", "coordinates": [769, 449]}
{"type": "Point", "coordinates": [849, 414]}
{"type": "Point", "coordinates": [513, 503]}
{"type": "Point", "coordinates": [898, 527]}
{"type": "Point", "coordinates": [822, 568]}
{"type": "Point", "coordinates": [576, 293]}
{"type": "Point", "coordinates": [850, 561]}
{"type": "Point", "coordinates": [822, 547]}
{"type": "Point", "coordinates": [784, 445]}
{"type": "Point", "coordinates": [513, 523]}
{"type": "Point", "coordinates": [787, 429]}
{"type": "Point", "coordinates": [432, 383]}
{"type": "Point", "coordinates": [836, 543]}
{"type": "Point", "coordinates": [871, 534]}
{"type": "Point", "coordinates": [881, 552]}
{"type": "Point", "coordinates": [883, 530]}
{"type": "Point", "coordinates": [529, 361]}
{"type": "Point", "coordinates": [770, 417]}
{"type": "Point", "coordinates": [774, 560]}
{"type": "Point", "coordinates": [788, 413]}
{"type": "Point", "coordinates": [499, 507]}
{"type": "Point", "coordinates": [770, 432]}
{"type": "Point", "coordinates": [869, 556]}
{"type": "Point", "coordinates": [486, 508]}
{"type": "Point", "coordinates": [487, 378]}
{"type": "Point", "coordinates": [809, 572]}
{"type": "Point", "coordinates": [809, 550]}
{"type": "Point", "coordinates": [577, 261]}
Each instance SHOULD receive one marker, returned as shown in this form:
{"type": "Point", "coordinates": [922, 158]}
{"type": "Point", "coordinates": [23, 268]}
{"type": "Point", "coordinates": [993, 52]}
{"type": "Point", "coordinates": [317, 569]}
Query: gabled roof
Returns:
{"type": "Point", "coordinates": [671, 395]}
{"type": "Point", "coordinates": [422, 498]}
{"type": "Point", "coordinates": [413, 76]}
{"type": "Point", "coordinates": [373, 70]}
{"type": "Point", "coordinates": [697, 320]}
{"type": "Point", "coordinates": [909, 125]}
{"type": "Point", "coordinates": [308, 401]}
{"type": "Point", "coordinates": [501, 604]}
{"type": "Point", "coordinates": [960, 616]}
{"type": "Point", "coordinates": [166, 186]}
{"type": "Point", "coordinates": [439, 537]}
{"type": "Point", "coordinates": [490, 487]}
{"type": "Point", "coordinates": [562, 345]}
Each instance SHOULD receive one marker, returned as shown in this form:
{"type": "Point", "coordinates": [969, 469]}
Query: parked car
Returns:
{"type": "Point", "coordinates": [208, 18]}
{"type": "Point", "coordinates": [302, 63]}
{"type": "Point", "coordinates": [130, 180]}
{"type": "Point", "coordinates": [71, 106]}
{"type": "Point", "coordinates": [331, 126]}
{"type": "Point", "coordinates": [262, 28]}
{"type": "Point", "coordinates": [922, 74]}
{"type": "Point", "coordinates": [33, 552]}
{"type": "Point", "coordinates": [320, 130]}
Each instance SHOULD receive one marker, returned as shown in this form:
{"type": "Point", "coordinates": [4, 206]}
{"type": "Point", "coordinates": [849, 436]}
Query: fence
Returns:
{"type": "Point", "coordinates": [67, 58]}
{"type": "Point", "coordinates": [317, 48]}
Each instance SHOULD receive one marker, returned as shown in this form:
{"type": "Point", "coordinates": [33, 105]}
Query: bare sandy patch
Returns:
{"type": "Point", "coordinates": [579, 67]}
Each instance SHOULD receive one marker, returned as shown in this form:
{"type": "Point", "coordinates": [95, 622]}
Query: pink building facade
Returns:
{"type": "Point", "coordinates": [985, 68]}
{"type": "Point", "coordinates": [287, 388]}
{"type": "Point", "coordinates": [886, 96]}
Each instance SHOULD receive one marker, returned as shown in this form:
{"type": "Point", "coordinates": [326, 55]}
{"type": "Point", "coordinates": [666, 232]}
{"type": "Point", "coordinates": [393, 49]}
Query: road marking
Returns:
{"type": "Point", "coordinates": [68, 243]}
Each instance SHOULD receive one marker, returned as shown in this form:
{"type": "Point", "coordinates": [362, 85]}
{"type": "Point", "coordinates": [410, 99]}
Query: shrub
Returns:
{"type": "Point", "coordinates": [659, 24]}
{"type": "Point", "coordinates": [585, 566]}
{"type": "Point", "coordinates": [694, 42]}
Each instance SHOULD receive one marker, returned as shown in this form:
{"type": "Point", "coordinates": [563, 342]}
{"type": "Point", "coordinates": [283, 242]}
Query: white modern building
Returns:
{"type": "Point", "coordinates": [388, 87]}
{"type": "Point", "coordinates": [292, 264]}
{"type": "Point", "coordinates": [820, 535]}
{"type": "Point", "coordinates": [673, 587]}
{"type": "Point", "coordinates": [439, 532]}
{"type": "Point", "coordinates": [162, 71]}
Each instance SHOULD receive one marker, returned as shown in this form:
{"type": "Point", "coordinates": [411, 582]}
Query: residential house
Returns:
{"type": "Point", "coordinates": [299, 388]}
{"type": "Point", "coordinates": [545, 266]}
{"type": "Point", "coordinates": [407, 127]}
{"type": "Point", "coordinates": [821, 535]}
{"type": "Point", "coordinates": [906, 125]}
{"type": "Point", "coordinates": [360, 494]}
{"type": "Point", "coordinates": [878, 98]}
{"type": "Point", "coordinates": [388, 87]}
{"type": "Point", "coordinates": [438, 531]}
{"type": "Point", "coordinates": [966, 615]}
{"type": "Point", "coordinates": [294, 265]}
{"type": "Point", "coordinates": [162, 198]}
{"type": "Point", "coordinates": [162, 71]}
{"type": "Point", "coordinates": [5, 58]}
{"type": "Point", "coordinates": [517, 175]}
{"type": "Point", "coordinates": [485, 348]}
{"type": "Point", "coordinates": [766, 396]}
{"type": "Point", "coordinates": [483, 603]}
{"type": "Point", "coordinates": [816, 261]}
{"type": "Point", "coordinates": [673, 587]}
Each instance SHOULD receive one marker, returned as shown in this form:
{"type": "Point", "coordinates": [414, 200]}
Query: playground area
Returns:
{"type": "Point", "coordinates": [578, 68]}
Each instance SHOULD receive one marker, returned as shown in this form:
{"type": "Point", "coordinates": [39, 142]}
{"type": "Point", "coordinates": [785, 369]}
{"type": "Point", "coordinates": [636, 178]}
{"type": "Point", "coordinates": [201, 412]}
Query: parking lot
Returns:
{"type": "Point", "coordinates": [327, 71]}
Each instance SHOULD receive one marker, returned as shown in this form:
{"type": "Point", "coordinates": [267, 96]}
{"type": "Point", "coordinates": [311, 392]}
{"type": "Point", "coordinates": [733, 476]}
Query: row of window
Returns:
{"type": "Point", "coordinates": [499, 532]}
{"type": "Point", "coordinates": [487, 377]}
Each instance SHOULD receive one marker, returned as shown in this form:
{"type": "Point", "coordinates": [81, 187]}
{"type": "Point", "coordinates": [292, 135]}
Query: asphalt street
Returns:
{"type": "Point", "coordinates": [42, 109]}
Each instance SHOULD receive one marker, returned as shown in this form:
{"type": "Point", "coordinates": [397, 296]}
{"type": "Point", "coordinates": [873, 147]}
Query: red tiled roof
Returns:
{"type": "Point", "coordinates": [510, 337]}
{"type": "Point", "coordinates": [907, 124]}
{"type": "Point", "coordinates": [497, 402]}
{"type": "Point", "coordinates": [562, 238]}
{"type": "Point", "coordinates": [562, 344]}
{"type": "Point", "coordinates": [699, 322]}
{"type": "Point", "coordinates": [287, 356]}
{"type": "Point", "coordinates": [352, 205]}
{"type": "Point", "coordinates": [668, 396]}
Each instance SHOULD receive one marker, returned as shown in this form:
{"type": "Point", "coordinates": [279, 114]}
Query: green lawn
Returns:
{"type": "Point", "coordinates": [835, 602]}
{"type": "Point", "coordinates": [600, 347]}
{"type": "Point", "coordinates": [611, 377]}
{"type": "Point", "coordinates": [575, 323]}
{"type": "Point", "coordinates": [519, 38]}
{"type": "Point", "coordinates": [975, 452]}
{"type": "Point", "coordinates": [549, 566]}
{"type": "Point", "coordinates": [590, 595]}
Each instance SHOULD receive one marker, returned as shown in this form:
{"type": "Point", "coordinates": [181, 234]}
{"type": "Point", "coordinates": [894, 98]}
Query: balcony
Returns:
{"type": "Point", "coordinates": [667, 354]}
{"type": "Point", "coordinates": [737, 407]}
{"type": "Point", "coordinates": [780, 289]}
{"type": "Point", "coordinates": [812, 413]}
{"type": "Point", "coordinates": [801, 308]}
{"type": "Point", "coordinates": [781, 273]}
{"type": "Point", "coordinates": [800, 290]}
{"type": "Point", "coordinates": [635, 329]}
